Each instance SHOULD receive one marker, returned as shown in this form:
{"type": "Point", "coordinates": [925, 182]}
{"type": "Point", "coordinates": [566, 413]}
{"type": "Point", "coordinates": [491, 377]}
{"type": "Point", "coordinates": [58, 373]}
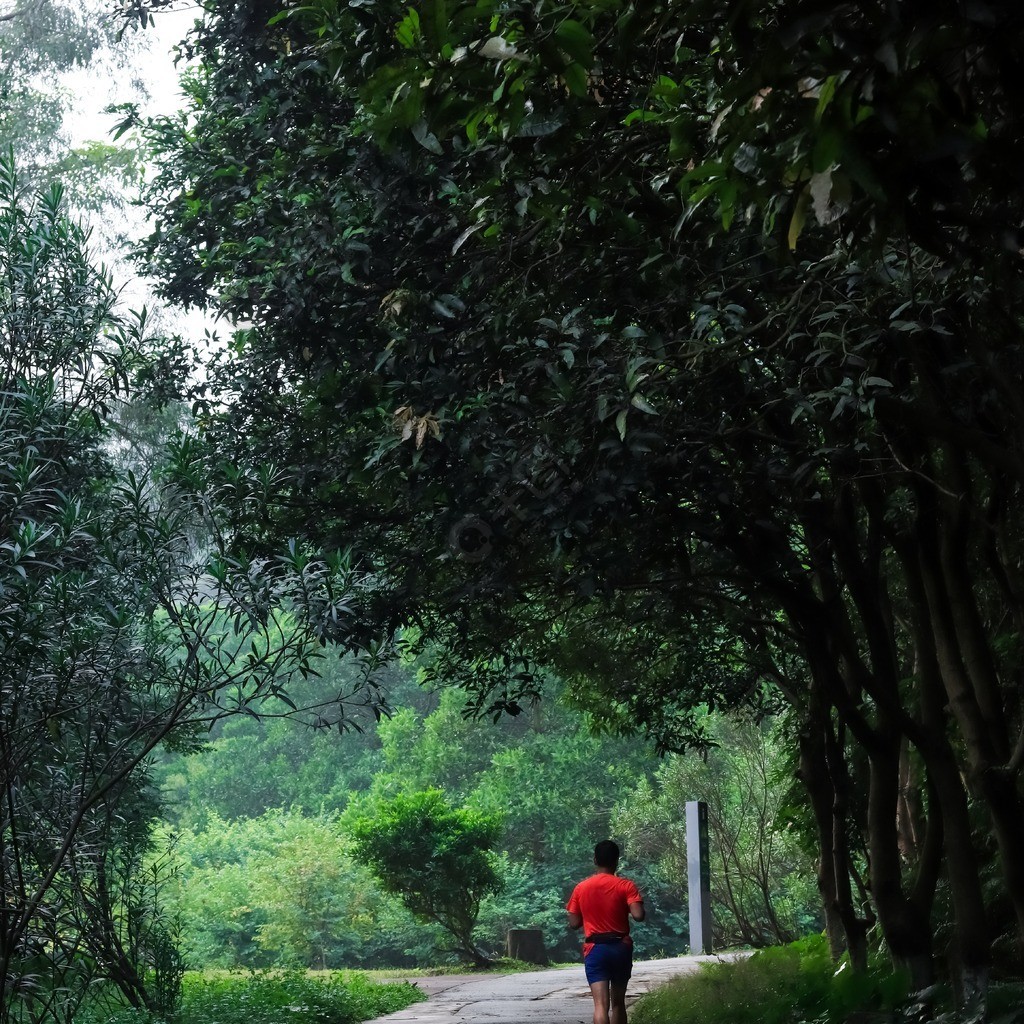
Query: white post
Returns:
{"type": "Point", "coordinates": [698, 872]}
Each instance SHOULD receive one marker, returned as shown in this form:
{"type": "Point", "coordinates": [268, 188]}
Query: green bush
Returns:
{"type": "Point", "coordinates": [272, 998]}
{"type": "Point", "coordinates": [435, 857]}
{"type": "Point", "coordinates": [293, 995]}
{"type": "Point", "coordinates": [780, 985]}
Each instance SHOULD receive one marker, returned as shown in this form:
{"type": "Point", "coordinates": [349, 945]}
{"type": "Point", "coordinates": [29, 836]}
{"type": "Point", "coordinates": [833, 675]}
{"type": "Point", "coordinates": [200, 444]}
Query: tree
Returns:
{"type": "Point", "coordinates": [761, 875]}
{"type": "Point", "coordinates": [431, 855]}
{"type": "Point", "coordinates": [41, 41]}
{"type": "Point", "coordinates": [565, 357]}
{"type": "Point", "coordinates": [39, 38]}
{"type": "Point", "coordinates": [299, 754]}
{"type": "Point", "coordinates": [117, 632]}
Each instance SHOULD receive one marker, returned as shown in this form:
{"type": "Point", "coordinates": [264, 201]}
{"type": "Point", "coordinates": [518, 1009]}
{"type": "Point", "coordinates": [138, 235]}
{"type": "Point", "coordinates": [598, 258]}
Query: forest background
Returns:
{"type": "Point", "coordinates": [658, 357]}
{"type": "Point", "coordinates": [262, 872]}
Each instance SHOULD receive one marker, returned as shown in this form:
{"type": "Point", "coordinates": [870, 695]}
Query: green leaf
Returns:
{"type": "Point", "coordinates": [799, 218]}
{"type": "Point", "coordinates": [620, 424]}
{"type": "Point", "coordinates": [408, 31]}
{"type": "Point", "coordinates": [826, 149]}
{"type": "Point", "coordinates": [537, 127]}
{"type": "Point", "coordinates": [727, 203]}
{"type": "Point", "coordinates": [825, 96]}
{"type": "Point", "coordinates": [576, 41]}
{"type": "Point", "coordinates": [576, 79]}
{"type": "Point", "coordinates": [440, 23]}
{"type": "Point", "coordinates": [426, 138]}
{"type": "Point", "coordinates": [641, 403]}
{"type": "Point", "coordinates": [642, 115]}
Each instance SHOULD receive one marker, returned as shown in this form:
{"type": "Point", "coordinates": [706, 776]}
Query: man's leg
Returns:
{"type": "Point", "coordinates": [599, 990]}
{"type": "Point", "coordinates": [617, 1002]}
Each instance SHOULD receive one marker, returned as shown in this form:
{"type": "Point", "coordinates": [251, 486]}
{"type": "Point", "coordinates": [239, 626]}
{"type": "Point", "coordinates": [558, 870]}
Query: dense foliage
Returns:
{"type": "Point", "coordinates": [266, 998]}
{"type": "Point", "coordinates": [762, 891]}
{"type": "Point", "coordinates": [670, 344]}
{"type": "Point", "coordinates": [437, 859]}
{"type": "Point", "coordinates": [275, 884]}
{"type": "Point", "coordinates": [38, 40]}
{"type": "Point", "coordinates": [797, 982]}
{"type": "Point", "coordinates": [121, 629]}
{"type": "Point", "coordinates": [42, 43]}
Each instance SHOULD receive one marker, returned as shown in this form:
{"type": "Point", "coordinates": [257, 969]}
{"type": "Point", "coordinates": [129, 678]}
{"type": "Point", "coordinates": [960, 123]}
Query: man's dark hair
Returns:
{"type": "Point", "coordinates": [606, 854]}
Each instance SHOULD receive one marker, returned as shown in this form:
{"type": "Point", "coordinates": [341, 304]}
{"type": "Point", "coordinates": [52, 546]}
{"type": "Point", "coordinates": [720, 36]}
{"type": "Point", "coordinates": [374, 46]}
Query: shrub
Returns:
{"type": "Point", "coordinates": [434, 857]}
{"type": "Point", "coordinates": [780, 985]}
{"type": "Point", "coordinates": [270, 998]}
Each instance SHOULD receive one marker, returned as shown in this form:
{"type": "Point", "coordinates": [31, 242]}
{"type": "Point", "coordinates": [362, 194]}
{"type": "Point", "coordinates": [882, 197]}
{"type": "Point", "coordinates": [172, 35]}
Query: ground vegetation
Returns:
{"type": "Point", "coordinates": [275, 884]}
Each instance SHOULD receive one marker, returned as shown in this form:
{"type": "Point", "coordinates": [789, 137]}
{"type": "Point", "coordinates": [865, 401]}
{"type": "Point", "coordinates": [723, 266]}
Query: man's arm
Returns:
{"type": "Point", "coordinates": [635, 902]}
{"type": "Point", "coordinates": [574, 910]}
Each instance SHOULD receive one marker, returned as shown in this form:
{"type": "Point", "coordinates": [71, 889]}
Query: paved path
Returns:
{"type": "Point", "coordinates": [540, 997]}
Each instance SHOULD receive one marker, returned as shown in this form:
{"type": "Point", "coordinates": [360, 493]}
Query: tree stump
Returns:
{"type": "Point", "coordinates": [527, 944]}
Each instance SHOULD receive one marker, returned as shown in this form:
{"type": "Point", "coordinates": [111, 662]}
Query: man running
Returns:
{"type": "Point", "coordinates": [603, 904]}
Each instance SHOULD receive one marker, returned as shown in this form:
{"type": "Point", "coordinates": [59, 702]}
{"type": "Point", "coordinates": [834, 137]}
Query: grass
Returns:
{"type": "Point", "coordinates": [278, 997]}
{"type": "Point", "coordinates": [782, 985]}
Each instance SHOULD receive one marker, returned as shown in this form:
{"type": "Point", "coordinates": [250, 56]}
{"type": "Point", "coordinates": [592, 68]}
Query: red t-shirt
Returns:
{"type": "Point", "coordinates": [603, 900]}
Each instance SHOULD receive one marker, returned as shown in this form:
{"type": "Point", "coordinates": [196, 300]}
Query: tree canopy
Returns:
{"type": "Point", "coordinates": [672, 345]}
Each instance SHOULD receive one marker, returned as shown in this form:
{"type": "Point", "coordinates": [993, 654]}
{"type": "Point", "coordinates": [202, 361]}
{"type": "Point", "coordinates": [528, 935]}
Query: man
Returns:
{"type": "Point", "coordinates": [604, 904]}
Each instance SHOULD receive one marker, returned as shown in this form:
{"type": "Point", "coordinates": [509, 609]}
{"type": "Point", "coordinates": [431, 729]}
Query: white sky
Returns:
{"type": "Point", "coordinates": [144, 59]}
{"type": "Point", "coordinates": [141, 71]}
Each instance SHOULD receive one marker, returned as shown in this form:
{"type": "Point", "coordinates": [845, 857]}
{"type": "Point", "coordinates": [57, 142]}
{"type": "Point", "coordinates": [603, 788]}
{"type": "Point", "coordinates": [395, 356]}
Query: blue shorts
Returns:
{"type": "Point", "coordinates": [609, 961]}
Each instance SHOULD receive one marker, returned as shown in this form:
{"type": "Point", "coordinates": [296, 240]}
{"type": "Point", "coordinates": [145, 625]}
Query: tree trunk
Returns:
{"type": "Point", "coordinates": [995, 787]}
{"type": "Point", "coordinates": [972, 935]}
{"type": "Point", "coordinates": [909, 812]}
{"type": "Point", "coordinates": [905, 926]}
{"type": "Point", "coordinates": [820, 761]}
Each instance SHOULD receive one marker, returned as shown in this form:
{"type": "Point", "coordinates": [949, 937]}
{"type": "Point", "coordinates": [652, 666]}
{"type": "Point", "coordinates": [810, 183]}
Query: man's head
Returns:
{"type": "Point", "coordinates": [606, 855]}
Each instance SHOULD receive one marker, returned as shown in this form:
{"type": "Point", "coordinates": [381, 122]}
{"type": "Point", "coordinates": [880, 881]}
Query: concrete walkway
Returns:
{"type": "Point", "coordinates": [540, 997]}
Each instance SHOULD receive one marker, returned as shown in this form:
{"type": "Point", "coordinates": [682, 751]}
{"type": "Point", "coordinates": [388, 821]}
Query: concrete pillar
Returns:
{"type": "Point", "coordinates": [698, 872]}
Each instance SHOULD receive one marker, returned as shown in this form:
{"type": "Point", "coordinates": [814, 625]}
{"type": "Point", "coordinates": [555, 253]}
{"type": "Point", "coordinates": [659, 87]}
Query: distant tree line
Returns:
{"type": "Point", "coordinates": [274, 826]}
